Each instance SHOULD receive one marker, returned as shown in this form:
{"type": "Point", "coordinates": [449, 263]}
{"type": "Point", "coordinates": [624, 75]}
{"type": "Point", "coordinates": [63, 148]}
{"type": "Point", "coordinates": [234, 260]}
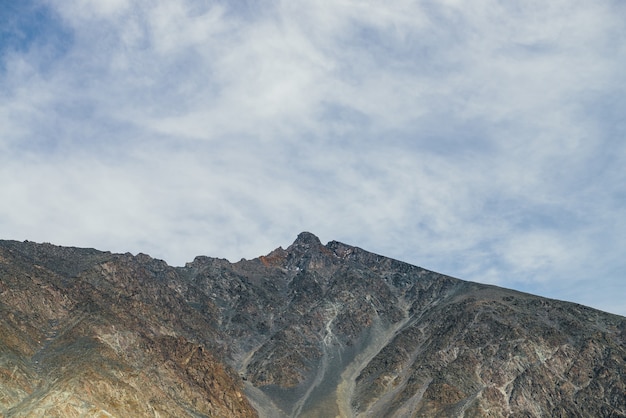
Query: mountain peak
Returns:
{"type": "Point", "coordinates": [306, 239]}
{"type": "Point", "coordinates": [307, 252]}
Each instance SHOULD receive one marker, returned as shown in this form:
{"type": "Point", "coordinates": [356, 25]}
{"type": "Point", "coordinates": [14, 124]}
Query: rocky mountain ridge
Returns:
{"type": "Point", "coordinates": [312, 330]}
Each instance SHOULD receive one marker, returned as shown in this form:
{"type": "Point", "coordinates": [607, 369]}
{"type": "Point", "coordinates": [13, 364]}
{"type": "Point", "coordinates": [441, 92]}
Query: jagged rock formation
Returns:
{"type": "Point", "coordinates": [88, 333]}
{"type": "Point", "coordinates": [312, 330]}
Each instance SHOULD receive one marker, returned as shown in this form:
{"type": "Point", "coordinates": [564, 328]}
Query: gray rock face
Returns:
{"type": "Point", "coordinates": [312, 330]}
{"type": "Point", "coordinates": [336, 331]}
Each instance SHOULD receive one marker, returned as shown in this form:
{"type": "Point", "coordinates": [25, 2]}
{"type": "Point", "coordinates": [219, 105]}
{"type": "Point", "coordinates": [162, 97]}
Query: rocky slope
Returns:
{"type": "Point", "coordinates": [88, 333]}
{"type": "Point", "coordinates": [312, 330]}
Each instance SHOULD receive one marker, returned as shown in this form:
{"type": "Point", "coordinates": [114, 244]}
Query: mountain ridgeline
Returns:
{"type": "Point", "coordinates": [309, 331]}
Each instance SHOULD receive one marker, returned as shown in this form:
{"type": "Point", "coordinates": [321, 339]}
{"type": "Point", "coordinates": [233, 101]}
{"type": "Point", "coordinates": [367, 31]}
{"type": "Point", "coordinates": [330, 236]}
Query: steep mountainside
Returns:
{"type": "Point", "coordinates": [88, 333]}
{"type": "Point", "coordinates": [312, 330]}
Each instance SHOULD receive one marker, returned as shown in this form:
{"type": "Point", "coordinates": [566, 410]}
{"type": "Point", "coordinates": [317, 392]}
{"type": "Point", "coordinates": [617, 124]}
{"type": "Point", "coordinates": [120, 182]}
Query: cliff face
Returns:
{"type": "Point", "coordinates": [312, 330]}
{"type": "Point", "coordinates": [88, 333]}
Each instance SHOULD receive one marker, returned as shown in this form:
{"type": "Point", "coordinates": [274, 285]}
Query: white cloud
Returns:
{"type": "Point", "coordinates": [80, 11]}
{"type": "Point", "coordinates": [465, 138]}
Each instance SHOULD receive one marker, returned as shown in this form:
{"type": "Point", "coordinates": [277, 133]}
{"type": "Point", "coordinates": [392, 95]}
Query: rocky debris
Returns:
{"type": "Point", "coordinates": [312, 330]}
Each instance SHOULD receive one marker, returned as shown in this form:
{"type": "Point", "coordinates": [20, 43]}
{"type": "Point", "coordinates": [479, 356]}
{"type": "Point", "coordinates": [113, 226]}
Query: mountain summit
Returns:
{"type": "Point", "coordinates": [309, 331]}
{"type": "Point", "coordinates": [307, 239]}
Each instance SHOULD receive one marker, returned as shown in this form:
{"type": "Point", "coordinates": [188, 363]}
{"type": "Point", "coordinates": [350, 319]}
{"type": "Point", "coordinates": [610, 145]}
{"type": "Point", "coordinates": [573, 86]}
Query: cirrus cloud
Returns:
{"type": "Point", "coordinates": [481, 140]}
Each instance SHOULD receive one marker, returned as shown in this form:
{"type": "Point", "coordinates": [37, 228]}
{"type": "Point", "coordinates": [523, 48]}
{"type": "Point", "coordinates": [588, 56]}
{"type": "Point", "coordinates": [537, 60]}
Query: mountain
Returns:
{"type": "Point", "coordinates": [309, 331]}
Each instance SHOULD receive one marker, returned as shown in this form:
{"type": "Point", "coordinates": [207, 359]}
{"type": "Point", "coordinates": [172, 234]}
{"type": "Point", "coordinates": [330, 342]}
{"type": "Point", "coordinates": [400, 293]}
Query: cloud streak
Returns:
{"type": "Point", "coordinates": [483, 141]}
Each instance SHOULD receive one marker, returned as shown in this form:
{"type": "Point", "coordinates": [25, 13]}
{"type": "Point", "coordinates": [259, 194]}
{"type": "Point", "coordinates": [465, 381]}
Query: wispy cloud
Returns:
{"type": "Point", "coordinates": [480, 140]}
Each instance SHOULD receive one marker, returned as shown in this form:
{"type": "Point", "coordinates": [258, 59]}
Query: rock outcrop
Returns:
{"type": "Point", "coordinates": [89, 333]}
{"type": "Point", "coordinates": [312, 330]}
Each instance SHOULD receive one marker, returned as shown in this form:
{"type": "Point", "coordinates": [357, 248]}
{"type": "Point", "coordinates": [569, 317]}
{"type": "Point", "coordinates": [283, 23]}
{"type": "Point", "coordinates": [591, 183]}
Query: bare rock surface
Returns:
{"type": "Point", "coordinates": [312, 330]}
{"type": "Point", "coordinates": [88, 333]}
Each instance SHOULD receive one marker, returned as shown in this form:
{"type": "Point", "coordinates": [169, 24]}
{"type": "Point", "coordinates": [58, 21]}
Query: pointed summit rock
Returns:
{"type": "Point", "coordinates": [307, 252]}
{"type": "Point", "coordinates": [303, 247]}
{"type": "Point", "coordinates": [306, 239]}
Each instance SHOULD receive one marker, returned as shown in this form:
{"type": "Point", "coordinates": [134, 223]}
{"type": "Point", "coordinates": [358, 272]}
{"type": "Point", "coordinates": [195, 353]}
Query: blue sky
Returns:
{"type": "Point", "coordinates": [482, 140]}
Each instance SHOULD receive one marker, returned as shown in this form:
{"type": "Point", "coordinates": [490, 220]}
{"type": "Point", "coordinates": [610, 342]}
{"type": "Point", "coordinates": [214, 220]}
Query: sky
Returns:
{"type": "Point", "coordinates": [485, 140]}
